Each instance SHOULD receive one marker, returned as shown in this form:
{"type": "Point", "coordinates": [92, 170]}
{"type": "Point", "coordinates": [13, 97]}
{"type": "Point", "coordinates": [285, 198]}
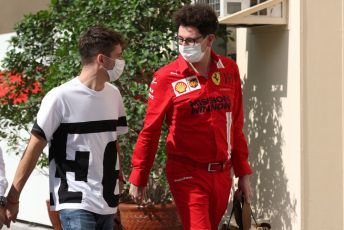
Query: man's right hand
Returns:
{"type": "Point", "coordinates": [137, 193]}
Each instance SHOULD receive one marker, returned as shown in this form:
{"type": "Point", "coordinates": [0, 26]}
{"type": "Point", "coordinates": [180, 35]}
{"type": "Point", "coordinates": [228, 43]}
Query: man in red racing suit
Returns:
{"type": "Point", "coordinates": [204, 114]}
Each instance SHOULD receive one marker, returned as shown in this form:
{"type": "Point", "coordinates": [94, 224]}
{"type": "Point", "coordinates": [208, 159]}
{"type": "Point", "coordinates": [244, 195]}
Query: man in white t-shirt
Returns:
{"type": "Point", "coordinates": [81, 120]}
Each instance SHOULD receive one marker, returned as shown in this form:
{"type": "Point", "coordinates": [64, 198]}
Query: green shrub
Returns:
{"type": "Point", "coordinates": [45, 51]}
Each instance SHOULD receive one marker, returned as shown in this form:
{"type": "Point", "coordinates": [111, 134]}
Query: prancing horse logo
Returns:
{"type": "Point", "coordinates": [216, 78]}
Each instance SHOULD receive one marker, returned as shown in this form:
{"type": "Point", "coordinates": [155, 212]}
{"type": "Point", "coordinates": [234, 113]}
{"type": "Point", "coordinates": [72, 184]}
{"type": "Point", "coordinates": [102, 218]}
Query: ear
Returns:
{"type": "Point", "coordinates": [211, 39]}
{"type": "Point", "coordinates": [99, 59]}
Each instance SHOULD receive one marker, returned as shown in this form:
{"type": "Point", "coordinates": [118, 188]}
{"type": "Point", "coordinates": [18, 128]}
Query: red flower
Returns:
{"type": "Point", "coordinates": [14, 90]}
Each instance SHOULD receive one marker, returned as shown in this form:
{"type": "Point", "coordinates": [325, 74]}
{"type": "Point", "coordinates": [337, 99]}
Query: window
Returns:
{"type": "Point", "coordinates": [233, 7]}
{"type": "Point", "coordinates": [255, 2]}
{"type": "Point", "coordinates": [215, 4]}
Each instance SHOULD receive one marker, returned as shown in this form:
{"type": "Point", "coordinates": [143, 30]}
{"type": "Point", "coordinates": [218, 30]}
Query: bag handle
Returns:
{"type": "Point", "coordinates": [244, 221]}
{"type": "Point", "coordinates": [254, 219]}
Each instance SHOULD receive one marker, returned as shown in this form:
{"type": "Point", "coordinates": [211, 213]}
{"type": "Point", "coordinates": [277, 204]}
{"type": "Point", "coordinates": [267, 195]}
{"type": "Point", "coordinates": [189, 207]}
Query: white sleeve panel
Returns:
{"type": "Point", "coordinates": [49, 115]}
{"type": "Point", "coordinates": [122, 127]}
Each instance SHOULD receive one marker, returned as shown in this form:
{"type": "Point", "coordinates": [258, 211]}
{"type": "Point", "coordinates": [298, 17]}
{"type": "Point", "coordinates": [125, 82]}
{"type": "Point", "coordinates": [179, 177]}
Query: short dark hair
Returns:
{"type": "Point", "coordinates": [201, 16]}
{"type": "Point", "coordinates": [98, 40]}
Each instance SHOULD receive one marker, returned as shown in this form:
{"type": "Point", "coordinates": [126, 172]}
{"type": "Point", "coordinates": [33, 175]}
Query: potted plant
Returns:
{"type": "Point", "coordinates": [158, 210]}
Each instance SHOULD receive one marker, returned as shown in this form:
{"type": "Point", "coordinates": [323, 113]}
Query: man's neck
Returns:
{"type": "Point", "coordinates": [91, 78]}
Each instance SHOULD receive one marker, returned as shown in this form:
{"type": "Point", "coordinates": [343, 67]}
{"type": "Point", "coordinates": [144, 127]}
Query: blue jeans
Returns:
{"type": "Point", "coordinates": [79, 219]}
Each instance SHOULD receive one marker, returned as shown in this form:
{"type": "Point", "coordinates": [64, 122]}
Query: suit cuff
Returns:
{"type": "Point", "coordinates": [241, 168]}
{"type": "Point", "coordinates": [138, 178]}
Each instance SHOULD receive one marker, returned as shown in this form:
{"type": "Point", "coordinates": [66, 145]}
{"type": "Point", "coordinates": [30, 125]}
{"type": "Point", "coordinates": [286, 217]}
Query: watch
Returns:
{"type": "Point", "coordinates": [3, 201]}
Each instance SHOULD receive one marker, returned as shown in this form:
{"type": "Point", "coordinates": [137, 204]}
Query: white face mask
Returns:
{"type": "Point", "coordinates": [117, 70]}
{"type": "Point", "coordinates": [192, 53]}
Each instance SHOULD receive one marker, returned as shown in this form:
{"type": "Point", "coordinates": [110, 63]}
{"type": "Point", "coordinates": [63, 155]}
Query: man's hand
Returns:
{"type": "Point", "coordinates": [245, 187]}
{"type": "Point", "coordinates": [12, 210]}
{"type": "Point", "coordinates": [137, 193]}
{"type": "Point", "coordinates": [2, 217]}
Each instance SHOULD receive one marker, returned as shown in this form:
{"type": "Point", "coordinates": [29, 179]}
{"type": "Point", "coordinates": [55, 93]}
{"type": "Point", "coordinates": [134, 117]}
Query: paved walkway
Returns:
{"type": "Point", "coordinates": [19, 225]}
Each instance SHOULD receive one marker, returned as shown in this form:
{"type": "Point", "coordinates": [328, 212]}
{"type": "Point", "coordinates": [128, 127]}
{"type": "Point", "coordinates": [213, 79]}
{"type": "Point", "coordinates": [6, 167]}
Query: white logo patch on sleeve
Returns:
{"type": "Point", "coordinates": [186, 85]}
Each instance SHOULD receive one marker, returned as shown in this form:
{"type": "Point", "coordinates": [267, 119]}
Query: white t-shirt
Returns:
{"type": "Point", "coordinates": [81, 126]}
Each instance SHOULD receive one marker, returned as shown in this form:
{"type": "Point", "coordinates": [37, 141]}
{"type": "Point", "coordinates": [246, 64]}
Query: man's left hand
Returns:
{"type": "Point", "coordinates": [11, 213]}
{"type": "Point", "coordinates": [2, 217]}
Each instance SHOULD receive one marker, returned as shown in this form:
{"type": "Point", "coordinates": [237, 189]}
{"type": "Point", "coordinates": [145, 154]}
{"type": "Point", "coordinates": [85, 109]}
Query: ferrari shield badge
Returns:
{"type": "Point", "coordinates": [216, 78]}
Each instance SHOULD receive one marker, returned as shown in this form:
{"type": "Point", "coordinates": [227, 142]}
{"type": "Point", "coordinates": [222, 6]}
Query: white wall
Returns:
{"type": "Point", "coordinates": [4, 38]}
{"type": "Point", "coordinates": [12, 11]}
{"type": "Point", "coordinates": [269, 62]}
{"type": "Point", "coordinates": [36, 191]}
{"type": "Point", "coordinates": [322, 114]}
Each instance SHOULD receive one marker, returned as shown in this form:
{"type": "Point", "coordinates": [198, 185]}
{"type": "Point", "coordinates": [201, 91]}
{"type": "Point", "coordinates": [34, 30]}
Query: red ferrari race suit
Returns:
{"type": "Point", "coordinates": [205, 138]}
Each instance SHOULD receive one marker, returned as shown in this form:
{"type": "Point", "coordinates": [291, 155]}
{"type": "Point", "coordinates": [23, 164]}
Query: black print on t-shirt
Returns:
{"type": "Point", "coordinates": [110, 174]}
{"type": "Point", "coordinates": [80, 165]}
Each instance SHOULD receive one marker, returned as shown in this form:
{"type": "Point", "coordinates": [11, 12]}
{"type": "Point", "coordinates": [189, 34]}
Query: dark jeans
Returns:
{"type": "Point", "coordinates": [79, 219]}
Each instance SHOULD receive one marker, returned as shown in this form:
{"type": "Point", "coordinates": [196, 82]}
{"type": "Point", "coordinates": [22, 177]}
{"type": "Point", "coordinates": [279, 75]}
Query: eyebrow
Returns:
{"type": "Point", "coordinates": [190, 37]}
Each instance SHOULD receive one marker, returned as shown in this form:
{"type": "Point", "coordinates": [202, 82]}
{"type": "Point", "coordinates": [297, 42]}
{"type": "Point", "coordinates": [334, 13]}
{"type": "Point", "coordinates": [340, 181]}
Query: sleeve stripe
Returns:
{"type": "Point", "coordinates": [122, 121]}
{"type": "Point", "coordinates": [38, 130]}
